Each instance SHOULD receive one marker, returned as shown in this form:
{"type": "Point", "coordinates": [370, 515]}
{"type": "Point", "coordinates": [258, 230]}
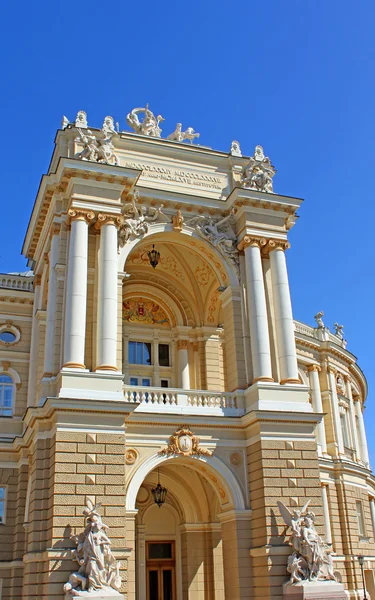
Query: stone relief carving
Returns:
{"type": "Point", "coordinates": [259, 172]}
{"type": "Point", "coordinates": [179, 136]}
{"type": "Point", "coordinates": [310, 560]}
{"type": "Point", "coordinates": [183, 441]}
{"type": "Point", "coordinates": [148, 126]}
{"type": "Point", "coordinates": [235, 149]}
{"type": "Point", "coordinates": [220, 234]}
{"type": "Point", "coordinates": [99, 571]}
{"type": "Point", "coordinates": [137, 219]}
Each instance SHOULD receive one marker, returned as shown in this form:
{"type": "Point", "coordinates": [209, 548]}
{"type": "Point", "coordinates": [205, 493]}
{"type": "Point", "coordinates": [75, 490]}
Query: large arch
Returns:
{"type": "Point", "coordinates": [211, 468]}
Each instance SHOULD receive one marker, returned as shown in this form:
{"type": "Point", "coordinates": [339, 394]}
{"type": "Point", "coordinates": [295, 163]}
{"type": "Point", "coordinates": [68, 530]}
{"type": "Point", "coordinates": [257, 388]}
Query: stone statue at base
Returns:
{"type": "Point", "coordinates": [98, 575]}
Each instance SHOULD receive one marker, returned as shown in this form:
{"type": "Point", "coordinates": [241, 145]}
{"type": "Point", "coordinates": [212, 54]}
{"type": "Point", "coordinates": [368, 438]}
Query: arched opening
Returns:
{"type": "Point", "coordinates": [181, 330]}
{"type": "Point", "coordinates": [185, 548]}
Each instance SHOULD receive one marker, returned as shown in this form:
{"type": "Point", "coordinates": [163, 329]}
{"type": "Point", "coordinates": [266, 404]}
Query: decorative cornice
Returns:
{"type": "Point", "coordinates": [75, 214]}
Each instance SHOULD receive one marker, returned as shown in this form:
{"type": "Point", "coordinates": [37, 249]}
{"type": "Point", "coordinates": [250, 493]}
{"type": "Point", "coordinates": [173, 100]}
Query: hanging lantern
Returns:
{"type": "Point", "coordinates": [159, 493]}
{"type": "Point", "coordinates": [153, 256]}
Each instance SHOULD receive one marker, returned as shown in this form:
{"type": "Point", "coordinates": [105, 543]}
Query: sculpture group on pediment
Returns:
{"type": "Point", "coordinates": [150, 125]}
{"type": "Point", "coordinates": [179, 136]}
{"type": "Point", "coordinates": [137, 219]}
{"type": "Point", "coordinates": [100, 149]}
{"type": "Point", "coordinates": [310, 559]}
{"type": "Point", "coordinates": [259, 172]}
{"type": "Point", "coordinates": [219, 233]}
{"type": "Point", "coordinates": [99, 571]}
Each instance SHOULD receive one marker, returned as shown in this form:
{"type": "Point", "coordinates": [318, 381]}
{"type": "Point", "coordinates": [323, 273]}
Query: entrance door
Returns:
{"type": "Point", "coordinates": [161, 574]}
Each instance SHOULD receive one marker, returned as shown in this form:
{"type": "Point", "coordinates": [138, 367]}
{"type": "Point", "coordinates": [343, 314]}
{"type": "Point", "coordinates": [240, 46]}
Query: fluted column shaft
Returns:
{"type": "Point", "coordinates": [353, 425]}
{"type": "Point", "coordinates": [183, 364]}
{"type": "Point", "coordinates": [107, 294]}
{"type": "Point", "coordinates": [51, 303]}
{"type": "Point", "coordinates": [286, 345]}
{"type": "Point", "coordinates": [76, 291]}
{"type": "Point", "coordinates": [335, 410]}
{"type": "Point", "coordinates": [317, 406]}
{"type": "Point", "coordinates": [258, 319]}
{"type": "Point", "coordinates": [327, 519]}
{"type": "Point", "coordinates": [362, 432]}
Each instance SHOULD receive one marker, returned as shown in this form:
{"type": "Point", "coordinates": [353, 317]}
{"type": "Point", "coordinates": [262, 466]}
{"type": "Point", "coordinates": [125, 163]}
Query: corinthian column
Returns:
{"type": "Point", "coordinates": [107, 293]}
{"type": "Point", "coordinates": [183, 364]}
{"type": "Point", "coordinates": [335, 409]}
{"type": "Point", "coordinates": [362, 432]}
{"type": "Point", "coordinates": [76, 290]}
{"type": "Point", "coordinates": [256, 298]}
{"type": "Point", "coordinates": [317, 406]}
{"type": "Point", "coordinates": [51, 302]}
{"type": "Point", "coordinates": [353, 426]}
{"type": "Point", "coordinates": [286, 345]}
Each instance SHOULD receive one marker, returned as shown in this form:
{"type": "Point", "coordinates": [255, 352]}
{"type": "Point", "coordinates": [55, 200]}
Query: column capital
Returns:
{"type": "Point", "coordinates": [330, 369]}
{"type": "Point", "coordinates": [75, 214]}
{"type": "Point", "coordinates": [182, 344]}
{"type": "Point", "coordinates": [108, 219]}
{"type": "Point", "coordinates": [247, 241]}
{"type": "Point", "coordinates": [316, 368]}
{"type": "Point", "coordinates": [276, 245]}
{"type": "Point", "coordinates": [55, 229]}
{"type": "Point", "coordinates": [195, 346]}
{"type": "Point", "coordinates": [348, 378]}
{"type": "Point", "coordinates": [37, 280]}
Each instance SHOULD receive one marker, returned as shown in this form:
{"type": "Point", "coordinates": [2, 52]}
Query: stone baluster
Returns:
{"type": "Point", "coordinates": [51, 302]}
{"type": "Point", "coordinates": [317, 406]}
{"type": "Point", "coordinates": [76, 289]}
{"type": "Point", "coordinates": [183, 364]}
{"type": "Point", "coordinates": [286, 345]}
{"type": "Point", "coordinates": [257, 307]}
{"type": "Point", "coordinates": [107, 293]}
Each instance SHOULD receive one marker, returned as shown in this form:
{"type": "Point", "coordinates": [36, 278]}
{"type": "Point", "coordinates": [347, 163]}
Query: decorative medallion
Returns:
{"type": "Point", "coordinates": [139, 310]}
{"type": "Point", "coordinates": [235, 459]}
{"type": "Point", "coordinates": [186, 443]}
{"type": "Point", "coordinates": [131, 456]}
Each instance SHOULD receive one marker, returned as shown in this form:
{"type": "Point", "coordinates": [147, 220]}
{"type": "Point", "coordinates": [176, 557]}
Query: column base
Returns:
{"type": "Point", "coordinates": [262, 379]}
{"type": "Point", "coordinates": [284, 381]}
{"type": "Point", "coordinates": [106, 368]}
{"type": "Point", "coordinates": [73, 365]}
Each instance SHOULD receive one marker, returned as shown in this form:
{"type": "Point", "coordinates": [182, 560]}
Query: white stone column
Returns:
{"type": "Point", "coordinates": [76, 290]}
{"type": "Point", "coordinates": [34, 342]}
{"type": "Point", "coordinates": [372, 510]}
{"type": "Point", "coordinates": [335, 410]}
{"type": "Point", "coordinates": [362, 432]}
{"type": "Point", "coordinates": [196, 365]}
{"type": "Point", "coordinates": [317, 406]}
{"type": "Point", "coordinates": [352, 416]}
{"type": "Point", "coordinates": [106, 338]}
{"type": "Point", "coordinates": [286, 345]}
{"type": "Point", "coordinates": [51, 302]}
{"type": "Point", "coordinates": [183, 365]}
{"type": "Point", "coordinates": [258, 319]}
{"type": "Point", "coordinates": [327, 518]}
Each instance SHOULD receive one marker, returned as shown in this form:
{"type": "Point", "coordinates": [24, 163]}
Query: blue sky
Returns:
{"type": "Point", "coordinates": [293, 76]}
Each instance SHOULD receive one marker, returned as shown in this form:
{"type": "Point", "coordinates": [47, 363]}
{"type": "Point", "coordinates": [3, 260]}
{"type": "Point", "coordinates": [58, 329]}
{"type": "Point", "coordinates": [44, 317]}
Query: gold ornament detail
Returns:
{"type": "Point", "coordinates": [109, 219]}
{"type": "Point", "coordinates": [178, 221]}
{"type": "Point", "coordinates": [131, 456]}
{"type": "Point", "coordinates": [80, 215]}
{"type": "Point", "coordinates": [184, 442]}
{"type": "Point", "coordinates": [141, 310]}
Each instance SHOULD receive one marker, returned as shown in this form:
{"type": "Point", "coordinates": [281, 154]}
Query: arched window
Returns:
{"type": "Point", "coordinates": [6, 395]}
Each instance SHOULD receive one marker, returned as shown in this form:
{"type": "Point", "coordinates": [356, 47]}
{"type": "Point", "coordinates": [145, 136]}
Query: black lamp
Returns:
{"type": "Point", "coordinates": [159, 493]}
{"type": "Point", "coordinates": [153, 256]}
{"type": "Point", "coordinates": [361, 560]}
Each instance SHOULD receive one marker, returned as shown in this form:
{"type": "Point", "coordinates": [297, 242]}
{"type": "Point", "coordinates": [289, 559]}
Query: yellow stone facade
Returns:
{"type": "Point", "coordinates": [276, 420]}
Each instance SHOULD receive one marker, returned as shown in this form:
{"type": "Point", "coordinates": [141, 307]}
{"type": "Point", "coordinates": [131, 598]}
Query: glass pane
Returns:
{"type": "Point", "coordinates": [5, 379]}
{"type": "Point", "coordinates": [133, 380]}
{"type": "Point", "coordinates": [139, 357]}
{"type": "Point", "coordinates": [164, 383]}
{"type": "Point", "coordinates": [164, 355]}
{"type": "Point", "coordinates": [167, 584]}
{"type": "Point", "coordinates": [131, 352]}
{"type": "Point", "coordinates": [2, 493]}
{"type": "Point", "coordinates": [153, 583]}
{"type": "Point", "coordinates": [7, 336]}
{"type": "Point", "coordinates": [8, 393]}
{"type": "Point", "coordinates": [7, 402]}
{"type": "Point", "coordinates": [160, 550]}
{"type": "Point", "coordinates": [147, 354]}
{"type": "Point", "coordinates": [146, 382]}
{"type": "Point", "coordinates": [5, 412]}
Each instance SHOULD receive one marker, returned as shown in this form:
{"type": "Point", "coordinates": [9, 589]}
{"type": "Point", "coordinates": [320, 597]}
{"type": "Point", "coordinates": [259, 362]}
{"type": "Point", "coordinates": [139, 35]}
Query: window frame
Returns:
{"type": "Point", "coordinates": [144, 343]}
{"type": "Point", "coordinates": [12, 329]}
{"type": "Point", "coordinates": [4, 501]}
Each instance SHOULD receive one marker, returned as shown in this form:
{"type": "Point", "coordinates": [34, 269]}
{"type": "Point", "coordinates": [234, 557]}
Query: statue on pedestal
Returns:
{"type": "Point", "coordinates": [99, 571]}
{"type": "Point", "coordinates": [259, 172]}
{"type": "Point", "coordinates": [179, 136]}
{"type": "Point", "coordinates": [150, 124]}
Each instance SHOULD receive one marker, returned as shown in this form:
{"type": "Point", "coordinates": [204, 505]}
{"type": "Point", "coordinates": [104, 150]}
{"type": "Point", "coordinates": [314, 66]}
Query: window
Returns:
{"type": "Point", "coordinates": [164, 383]}
{"type": "Point", "coordinates": [6, 396]}
{"type": "Point", "coordinates": [9, 334]}
{"type": "Point", "coordinates": [145, 381]}
{"type": "Point", "coordinates": [139, 353]}
{"type": "Point", "coordinates": [7, 337]}
{"type": "Point", "coordinates": [344, 429]}
{"type": "Point", "coordinates": [164, 355]}
{"type": "Point", "coordinates": [360, 517]}
{"type": "Point", "coordinates": [2, 504]}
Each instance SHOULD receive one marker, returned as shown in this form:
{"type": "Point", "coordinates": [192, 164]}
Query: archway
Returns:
{"type": "Point", "coordinates": [199, 529]}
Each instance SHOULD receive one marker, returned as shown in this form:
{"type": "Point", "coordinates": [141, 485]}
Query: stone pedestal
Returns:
{"type": "Point", "coordinates": [99, 595]}
{"type": "Point", "coordinates": [314, 590]}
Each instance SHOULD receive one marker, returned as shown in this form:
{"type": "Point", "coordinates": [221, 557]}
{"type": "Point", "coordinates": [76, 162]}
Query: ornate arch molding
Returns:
{"type": "Point", "coordinates": [188, 238]}
{"type": "Point", "coordinates": [211, 468]}
{"type": "Point", "coordinates": [14, 375]}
